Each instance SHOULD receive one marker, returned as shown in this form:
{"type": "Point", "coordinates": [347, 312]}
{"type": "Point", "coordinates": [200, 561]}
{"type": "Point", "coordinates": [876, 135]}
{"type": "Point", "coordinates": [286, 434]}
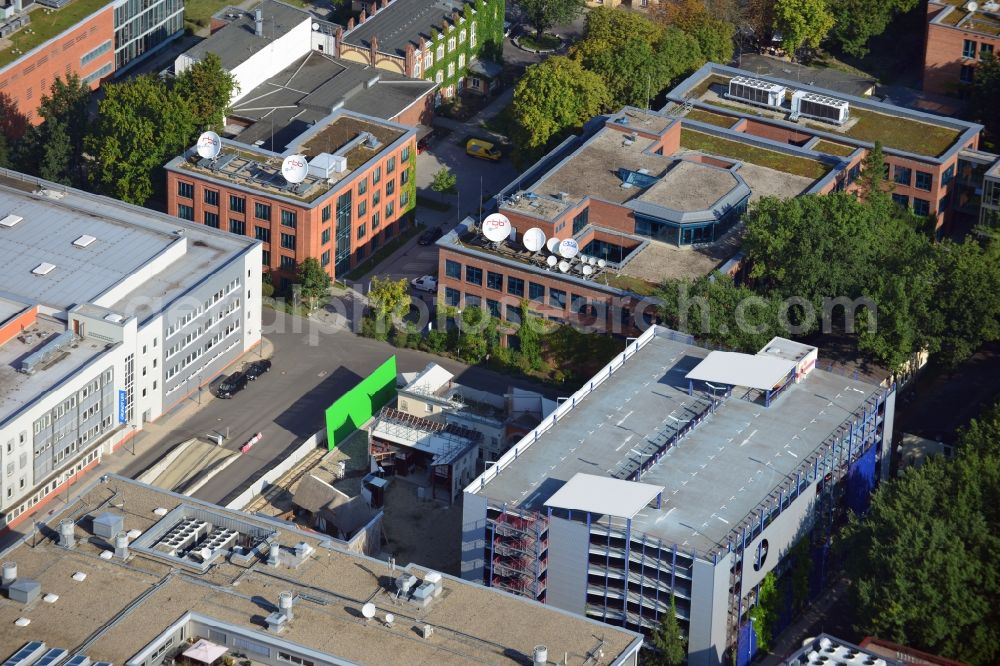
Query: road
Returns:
{"type": "Point", "coordinates": [314, 364]}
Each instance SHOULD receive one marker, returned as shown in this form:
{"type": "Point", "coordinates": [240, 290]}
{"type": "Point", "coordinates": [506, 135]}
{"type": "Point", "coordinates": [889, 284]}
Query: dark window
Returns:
{"type": "Point", "coordinates": [238, 227]}
{"type": "Point", "coordinates": [360, 253]}
{"type": "Point", "coordinates": [404, 155]}
{"type": "Point", "coordinates": [923, 181]}
{"type": "Point", "coordinates": [185, 212]}
{"type": "Point", "coordinates": [514, 314]}
{"type": "Point", "coordinates": [376, 198]}
{"type": "Point", "coordinates": [325, 237]}
{"type": "Point", "coordinates": [287, 262]}
{"type": "Point", "coordinates": [948, 174]}
{"type": "Point", "coordinates": [473, 275]}
{"type": "Point", "coordinates": [185, 190]}
{"type": "Point", "coordinates": [494, 280]}
{"type": "Point", "coordinates": [577, 303]}
{"type": "Point", "coordinates": [453, 269]}
{"type": "Point", "coordinates": [473, 301]}
{"type": "Point", "coordinates": [390, 208]}
{"type": "Point", "coordinates": [376, 220]}
{"type": "Point", "coordinates": [326, 213]}
{"type": "Point", "coordinates": [211, 220]}
{"type": "Point", "coordinates": [901, 199]}
{"type": "Point", "coordinates": [262, 234]}
{"type": "Point", "coordinates": [903, 175]}
{"type": "Point", "coordinates": [376, 175]}
{"type": "Point", "coordinates": [451, 297]}
{"type": "Point", "coordinates": [390, 188]}
{"type": "Point", "coordinates": [493, 307]}
{"type": "Point", "coordinates": [237, 204]}
{"type": "Point", "coordinates": [967, 74]}
{"type": "Point", "coordinates": [515, 286]}
{"type": "Point", "coordinates": [943, 204]}
{"type": "Point", "coordinates": [985, 49]}
{"type": "Point", "coordinates": [921, 206]}
{"type": "Point", "coordinates": [557, 298]}
{"type": "Point", "coordinates": [262, 211]}
{"type": "Point", "coordinates": [969, 49]}
{"type": "Point", "coordinates": [288, 241]}
{"type": "Point", "coordinates": [853, 173]}
{"type": "Point", "coordinates": [536, 292]}
{"type": "Point", "coordinates": [324, 259]}
{"type": "Point", "coordinates": [404, 178]}
{"type": "Point", "coordinates": [362, 186]}
{"type": "Point", "coordinates": [265, 258]}
{"type": "Point", "coordinates": [362, 209]}
{"type": "Point", "coordinates": [580, 221]}
{"type": "Point", "coordinates": [212, 197]}
{"type": "Point", "coordinates": [361, 231]}
{"type": "Point", "coordinates": [390, 165]}
{"type": "Point", "coordinates": [289, 218]}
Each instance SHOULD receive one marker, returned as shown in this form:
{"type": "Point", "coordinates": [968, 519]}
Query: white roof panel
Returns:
{"type": "Point", "coordinates": [604, 495]}
{"type": "Point", "coordinates": [762, 371]}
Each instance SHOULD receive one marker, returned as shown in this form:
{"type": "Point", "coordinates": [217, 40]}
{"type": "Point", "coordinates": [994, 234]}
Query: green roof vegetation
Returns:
{"type": "Point", "coordinates": [46, 24]}
{"type": "Point", "coordinates": [198, 13]}
{"type": "Point", "coordinates": [632, 284]}
{"type": "Point", "coordinates": [798, 166]}
{"type": "Point", "coordinates": [703, 86]}
{"type": "Point", "coordinates": [711, 118]}
{"type": "Point", "coordinates": [831, 148]}
{"type": "Point", "coordinates": [900, 133]}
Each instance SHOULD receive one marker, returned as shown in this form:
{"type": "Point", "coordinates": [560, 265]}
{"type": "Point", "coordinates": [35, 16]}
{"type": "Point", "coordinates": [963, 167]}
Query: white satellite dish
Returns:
{"type": "Point", "coordinates": [368, 610]}
{"type": "Point", "coordinates": [315, 27]}
{"type": "Point", "coordinates": [552, 261]}
{"type": "Point", "coordinates": [496, 227]}
{"type": "Point", "coordinates": [552, 244]}
{"type": "Point", "coordinates": [592, 261]}
{"type": "Point", "coordinates": [209, 145]}
{"type": "Point", "coordinates": [563, 266]}
{"type": "Point", "coordinates": [533, 239]}
{"type": "Point", "coordinates": [389, 619]}
{"type": "Point", "coordinates": [587, 270]}
{"type": "Point", "coordinates": [601, 263]}
{"type": "Point", "coordinates": [568, 248]}
{"type": "Point", "coordinates": [294, 168]}
{"type": "Point", "coordinates": [972, 6]}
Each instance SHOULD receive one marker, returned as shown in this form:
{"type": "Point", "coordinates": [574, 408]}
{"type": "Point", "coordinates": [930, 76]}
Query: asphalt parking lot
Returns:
{"type": "Point", "coordinates": [314, 364]}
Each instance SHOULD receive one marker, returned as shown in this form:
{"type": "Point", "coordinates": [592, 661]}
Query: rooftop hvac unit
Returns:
{"type": "Point", "coordinates": [325, 165]}
{"type": "Point", "coordinates": [820, 107]}
{"type": "Point", "coordinates": [756, 91]}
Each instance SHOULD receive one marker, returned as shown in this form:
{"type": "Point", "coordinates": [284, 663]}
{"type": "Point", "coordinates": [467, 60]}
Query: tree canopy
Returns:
{"type": "Point", "coordinates": [802, 23]}
{"type": "Point", "coordinates": [141, 123]}
{"type": "Point", "coordinates": [924, 561]}
{"type": "Point", "coordinates": [444, 180]}
{"type": "Point", "coordinates": [313, 280]}
{"type": "Point", "coordinates": [207, 88]}
{"type": "Point", "coordinates": [670, 645]}
{"type": "Point", "coordinates": [543, 14]}
{"type": "Point", "coordinates": [553, 97]}
{"type": "Point", "coordinates": [857, 21]}
{"type": "Point", "coordinates": [713, 34]}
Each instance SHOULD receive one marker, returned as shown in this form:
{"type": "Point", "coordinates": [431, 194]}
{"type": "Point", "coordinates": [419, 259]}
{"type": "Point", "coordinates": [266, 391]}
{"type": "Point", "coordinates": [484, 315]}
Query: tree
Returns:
{"type": "Point", "coordinates": [670, 644]}
{"type": "Point", "coordinates": [53, 148]}
{"type": "Point", "coordinates": [985, 96]}
{"type": "Point", "coordinates": [388, 298]}
{"type": "Point", "coordinates": [873, 171]}
{"type": "Point", "coordinates": [140, 124]}
{"type": "Point", "coordinates": [553, 97]}
{"type": "Point", "coordinates": [473, 342]}
{"type": "Point", "coordinates": [615, 27]}
{"type": "Point", "coordinates": [13, 123]}
{"type": "Point", "coordinates": [4, 152]}
{"type": "Point", "coordinates": [444, 180]}
{"type": "Point", "coordinates": [543, 14]}
{"type": "Point", "coordinates": [764, 614]}
{"type": "Point", "coordinates": [924, 569]}
{"type": "Point", "coordinates": [528, 335]}
{"type": "Point", "coordinates": [313, 280]}
{"type": "Point", "coordinates": [207, 87]}
{"type": "Point", "coordinates": [57, 153]}
{"type": "Point", "coordinates": [802, 23]}
{"type": "Point", "coordinates": [714, 35]}
{"type": "Point", "coordinates": [857, 21]}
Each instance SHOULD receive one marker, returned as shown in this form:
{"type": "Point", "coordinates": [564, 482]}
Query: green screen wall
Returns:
{"type": "Point", "coordinates": [359, 404]}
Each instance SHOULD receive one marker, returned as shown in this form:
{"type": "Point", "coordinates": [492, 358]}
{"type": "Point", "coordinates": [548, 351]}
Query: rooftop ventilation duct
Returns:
{"type": "Point", "coordinates": [540, 656]}
{"type": "Point", "coordinates": [9, 573]}
{"type": "Point", "coordinates": [43, 268]}
{"type": "Point", "coordinates": [67, 534]}
{"type": "Point", "coordinates": [259, 22]}
{"type": "Point", "coordinates": [121, 546]}
{"type": "Point", "coordinates": [10, 220]}
{"type": "Point", "coordinates": [84, 241]}
{"type": "Point", "coordinates": [285, 602]}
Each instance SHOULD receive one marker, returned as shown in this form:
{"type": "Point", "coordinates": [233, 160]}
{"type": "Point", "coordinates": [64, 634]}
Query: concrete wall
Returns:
{"type": "Point", "coordinates": [276, 472]}
{"type": "Point", "coordinates": [709, 612]}
{"type": "Point", "coordinates": [273, 58]}
{"type": "Point", "coordinates": [566, 586]}
{"type": "Point", "coordinates": [779, 536]}
{"type": "Point", "coordinates": [13, 326]}
{"type": "Point", "coordinates": [473, 537]}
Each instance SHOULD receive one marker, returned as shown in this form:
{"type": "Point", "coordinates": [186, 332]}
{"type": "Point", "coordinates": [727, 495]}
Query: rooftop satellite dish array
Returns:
{"type": "Point", "coordinates": [497, 228]}
{"type": "Point", "coordinates": [294, 168]}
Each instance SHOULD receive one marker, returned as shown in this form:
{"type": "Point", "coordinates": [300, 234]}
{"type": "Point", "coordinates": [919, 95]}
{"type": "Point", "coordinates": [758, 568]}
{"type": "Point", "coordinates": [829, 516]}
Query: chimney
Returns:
{"type": "Point", "coordinates": [410, 59]}
{"type": "Point", "coordinates": [338, 38]}
{"type": "Point", "coordinates": [121, 546]}
{"type": "Point", "coordinates": [18, 6]}
{"type": "Point", "coordinates": [67, 534]}
{"type": "Point", "coordinates": [350, 24]}
{"type": "Point", "coordinates": [9, 573]}
{"type": "Point", "coordinates": [259, 22]}
{"type": "Point", "coordinates": [373, 51]}
{"type": "Point", "coordinates": [285, 602]}
{"type": "Point", "coordinates": [362, 16]}
{"type": "Point", "coordinates": [272, 554]}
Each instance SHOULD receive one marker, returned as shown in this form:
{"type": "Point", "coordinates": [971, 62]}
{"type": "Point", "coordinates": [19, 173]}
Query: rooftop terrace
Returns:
{"type": "Point", "coordinates": [45, 24]}
{"type": "Point", "coordinates": [743, 447]}
{"type": "Point", "coordinates": [958, 16]}
{"type": "Point", "coordinates": [119, 608]}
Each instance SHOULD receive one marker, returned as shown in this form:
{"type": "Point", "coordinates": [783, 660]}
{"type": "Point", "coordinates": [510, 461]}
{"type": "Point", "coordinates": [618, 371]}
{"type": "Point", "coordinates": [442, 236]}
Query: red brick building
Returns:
{"type": "Point", "coordinates": [957, 39]}
{"type": "Point", "coordinates": [358, 194]}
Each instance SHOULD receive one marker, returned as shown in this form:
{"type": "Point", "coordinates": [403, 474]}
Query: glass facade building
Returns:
{"type": "Point", "coordinates": [143, 25]}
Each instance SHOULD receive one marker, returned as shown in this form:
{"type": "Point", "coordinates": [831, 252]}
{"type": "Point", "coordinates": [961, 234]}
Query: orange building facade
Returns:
{"type": "Point", "coordinates": [86, 49]}
{"type": "Point", "coordinates": [340, 220]}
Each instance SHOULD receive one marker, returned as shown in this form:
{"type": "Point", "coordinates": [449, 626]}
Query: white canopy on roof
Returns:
{"type": "Point", "coordinates": [761, 371]}
{"type": "Point", "coordinates": [604, 495]}
{"type": "Point", "coordinates": [205, 651]}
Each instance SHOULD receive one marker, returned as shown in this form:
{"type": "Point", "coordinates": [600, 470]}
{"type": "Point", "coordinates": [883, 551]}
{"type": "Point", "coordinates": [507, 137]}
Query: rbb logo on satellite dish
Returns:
{"type": "Point", "coordinates": [294, 168]}
{"type": "Point", "coordinates": [568, 248]}
{"type": "Point", "coordinates": [496, 227]}
{"type": "Point", "coordinates": [209, 145]}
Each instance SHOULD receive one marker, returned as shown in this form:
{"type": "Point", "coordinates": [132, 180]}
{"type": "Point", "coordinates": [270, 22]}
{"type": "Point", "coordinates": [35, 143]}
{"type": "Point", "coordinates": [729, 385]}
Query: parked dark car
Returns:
{"type": "Point", "coordinates": [257, 368]}
{"type": "Point", "coordinates": [232, 385]}
{"type": "Point", "coordinates": [430, 235]}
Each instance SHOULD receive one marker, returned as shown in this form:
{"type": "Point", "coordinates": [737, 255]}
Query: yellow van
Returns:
{"type": "Point", "coordinates": [482, 149]}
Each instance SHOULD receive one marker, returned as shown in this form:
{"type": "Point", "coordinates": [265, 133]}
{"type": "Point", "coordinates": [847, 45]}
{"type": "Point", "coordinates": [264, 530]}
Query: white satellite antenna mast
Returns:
{"type": "Point", "coordinates": [294, 168]}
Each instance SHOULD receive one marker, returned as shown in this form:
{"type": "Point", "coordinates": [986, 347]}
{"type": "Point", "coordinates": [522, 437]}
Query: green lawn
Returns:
{"type": "Point", "coordinates": [832, 148]}
{"type": "Point", "coordinates": [901, 133]}
{"type": "Point", "coordinates": [632, 284]}
{"type": "Point", "coordinates": [792, 164]}
{"type": "Point", "coordinates": [710, 118]}
{"type": "Point", "coordinates": [46, 24]}
{"type": "Point", "coordinates": [543, 43]}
